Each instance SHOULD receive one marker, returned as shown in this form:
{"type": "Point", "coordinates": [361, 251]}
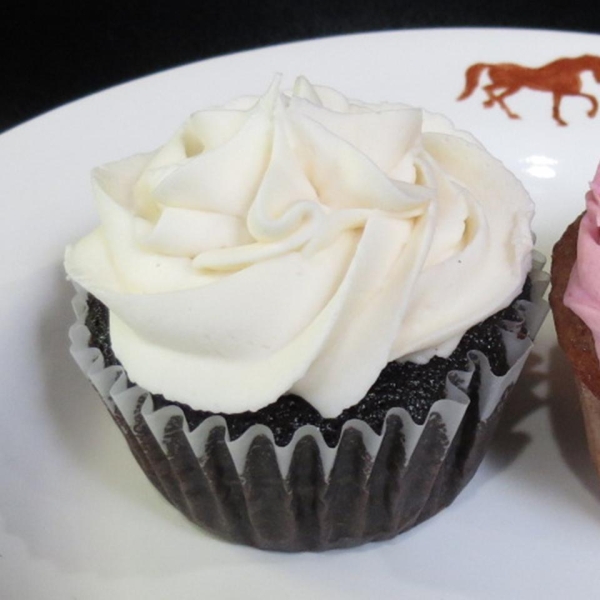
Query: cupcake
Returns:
{"type": "Point", "coordinates": [575, 301]}
{"type": "Point", "coordinates": [305, 314]}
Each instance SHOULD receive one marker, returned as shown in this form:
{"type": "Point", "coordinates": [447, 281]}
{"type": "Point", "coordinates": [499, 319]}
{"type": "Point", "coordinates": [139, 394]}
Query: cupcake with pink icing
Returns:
{"type": "Point", "coordinates": [305, 314]}
{"type": "Point", "coordinates": [575, 300]}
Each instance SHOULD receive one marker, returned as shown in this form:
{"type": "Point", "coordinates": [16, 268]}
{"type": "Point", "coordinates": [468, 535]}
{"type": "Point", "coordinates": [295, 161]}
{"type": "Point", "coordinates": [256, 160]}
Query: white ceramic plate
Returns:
{"type": "Point", "coordinates": [77, 517]}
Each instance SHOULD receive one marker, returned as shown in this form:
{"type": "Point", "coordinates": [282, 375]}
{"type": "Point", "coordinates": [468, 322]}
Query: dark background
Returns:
{"type": "Point", "coordinates": [58, 51]}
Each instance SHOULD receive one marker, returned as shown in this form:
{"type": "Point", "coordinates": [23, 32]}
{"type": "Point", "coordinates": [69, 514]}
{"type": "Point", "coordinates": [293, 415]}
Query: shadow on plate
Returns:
{"type": "Point", "coordinates": [508, 442]}
{"type": "Point", "coordinates": [559, 397]}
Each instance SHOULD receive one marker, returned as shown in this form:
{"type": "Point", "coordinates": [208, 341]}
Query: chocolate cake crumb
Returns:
{"type": "Point", "coordinates": [401, 384]}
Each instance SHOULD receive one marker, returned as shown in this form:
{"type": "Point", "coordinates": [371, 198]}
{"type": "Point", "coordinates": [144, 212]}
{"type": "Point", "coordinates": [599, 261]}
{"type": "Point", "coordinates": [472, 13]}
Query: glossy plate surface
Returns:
{"type": "Point", "coordinates": [77, 517]}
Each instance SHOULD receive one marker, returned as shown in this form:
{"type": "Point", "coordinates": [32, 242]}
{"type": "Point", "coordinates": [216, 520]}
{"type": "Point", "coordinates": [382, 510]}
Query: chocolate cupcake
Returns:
{"type": "Point", "coordinates": [575, 301]}
{"type": "Point", "coordinates": [305, 314]}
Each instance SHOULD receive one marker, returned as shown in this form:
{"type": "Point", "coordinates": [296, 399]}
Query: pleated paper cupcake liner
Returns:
{"type": "Point", "coordinates": [590, 406]}
{"type": "Point", "coordinates": [307, 495]}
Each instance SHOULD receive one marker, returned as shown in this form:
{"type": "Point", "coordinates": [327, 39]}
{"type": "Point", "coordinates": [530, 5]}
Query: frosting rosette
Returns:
{"type": "Point", "coordinates": [298, 242]}
{"type": "Point", "coordinates": [583, 291]}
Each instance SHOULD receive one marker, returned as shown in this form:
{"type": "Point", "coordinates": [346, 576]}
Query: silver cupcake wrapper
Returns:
{"type": "Point", "coordinates": [307, 495]}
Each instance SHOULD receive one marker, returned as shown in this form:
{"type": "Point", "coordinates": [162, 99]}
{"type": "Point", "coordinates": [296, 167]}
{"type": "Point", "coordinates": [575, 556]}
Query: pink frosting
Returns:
{"type": "Point", "coordinates": [583, 292]}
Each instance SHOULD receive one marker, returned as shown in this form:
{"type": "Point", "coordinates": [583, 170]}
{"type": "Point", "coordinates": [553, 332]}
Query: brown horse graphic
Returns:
{"type": "Point", "coordinates": [561, 77]}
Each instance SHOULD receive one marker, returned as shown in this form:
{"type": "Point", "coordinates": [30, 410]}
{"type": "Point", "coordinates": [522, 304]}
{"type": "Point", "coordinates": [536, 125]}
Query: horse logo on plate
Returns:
{"type": "Point", "coordinates": [561, 78]}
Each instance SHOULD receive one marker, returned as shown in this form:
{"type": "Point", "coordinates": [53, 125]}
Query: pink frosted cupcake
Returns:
{"type": "Point", "coordinates": [575, 300]}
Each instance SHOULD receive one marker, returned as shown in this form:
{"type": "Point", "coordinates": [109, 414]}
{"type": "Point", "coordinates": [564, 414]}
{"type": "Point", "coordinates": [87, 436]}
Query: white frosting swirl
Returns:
{"type": "Point", "coordinates": [297, 243]}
